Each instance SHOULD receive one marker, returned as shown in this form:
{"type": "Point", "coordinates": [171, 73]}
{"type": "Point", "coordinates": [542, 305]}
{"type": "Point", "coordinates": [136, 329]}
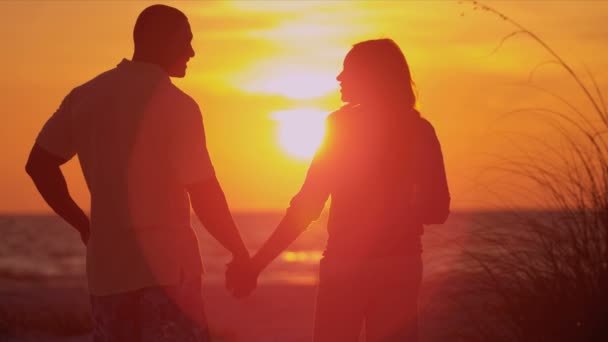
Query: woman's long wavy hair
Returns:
{"type": "Point", "coordinates": [388, 73]}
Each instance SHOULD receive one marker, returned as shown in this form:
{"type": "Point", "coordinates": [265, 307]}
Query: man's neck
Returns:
{"type": "Point", "coordinates": [141, 58]}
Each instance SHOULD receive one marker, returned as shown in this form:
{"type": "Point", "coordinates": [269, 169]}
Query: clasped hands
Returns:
{"type": "Point", "coordinates": [241, 277]}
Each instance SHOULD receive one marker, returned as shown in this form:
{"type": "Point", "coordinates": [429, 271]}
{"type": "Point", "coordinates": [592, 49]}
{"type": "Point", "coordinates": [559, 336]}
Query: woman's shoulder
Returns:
{"type": "Point", "coordinates": [425, 131]}
{"type": "Point", "coordinates": [344, 112]}
{"type": "Point", "coordinates": [421, 123]}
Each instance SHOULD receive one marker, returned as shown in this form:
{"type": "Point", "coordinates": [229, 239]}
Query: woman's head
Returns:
{"type": "Point", "coordinates": [375, 71]}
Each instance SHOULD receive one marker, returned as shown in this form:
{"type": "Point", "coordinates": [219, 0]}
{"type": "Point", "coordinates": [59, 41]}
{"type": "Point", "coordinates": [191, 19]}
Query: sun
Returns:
{"type": "Point", "coordinates": [300, 131]}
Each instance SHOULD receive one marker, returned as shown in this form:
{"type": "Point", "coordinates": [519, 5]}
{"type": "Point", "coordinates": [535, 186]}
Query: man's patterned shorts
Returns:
{"type": "Point", "coordinates": [153, 314]}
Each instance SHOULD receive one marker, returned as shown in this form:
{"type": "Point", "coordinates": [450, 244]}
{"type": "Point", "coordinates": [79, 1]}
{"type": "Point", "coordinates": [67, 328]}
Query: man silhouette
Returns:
{"type": "Point", "coordinates": [141, 145]}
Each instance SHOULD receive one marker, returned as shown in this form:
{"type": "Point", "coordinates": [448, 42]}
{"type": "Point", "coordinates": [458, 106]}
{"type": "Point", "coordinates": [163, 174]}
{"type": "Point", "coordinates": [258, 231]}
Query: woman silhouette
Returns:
{"type": "Point", "coordinates": [381, 163]}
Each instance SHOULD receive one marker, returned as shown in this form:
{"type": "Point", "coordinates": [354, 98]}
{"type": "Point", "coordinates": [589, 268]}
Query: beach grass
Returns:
{"type": "Point", "coordinates": [545, 277]}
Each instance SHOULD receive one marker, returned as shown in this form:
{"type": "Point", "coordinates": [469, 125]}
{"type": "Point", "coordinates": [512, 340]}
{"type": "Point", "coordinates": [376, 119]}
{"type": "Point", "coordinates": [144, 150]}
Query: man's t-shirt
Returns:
{"type": "Point", "coordinates": [140, 140]}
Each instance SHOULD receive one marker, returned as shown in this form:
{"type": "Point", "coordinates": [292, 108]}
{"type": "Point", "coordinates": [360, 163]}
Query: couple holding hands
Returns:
{"type": "Point", "coordinates": [141, 145]}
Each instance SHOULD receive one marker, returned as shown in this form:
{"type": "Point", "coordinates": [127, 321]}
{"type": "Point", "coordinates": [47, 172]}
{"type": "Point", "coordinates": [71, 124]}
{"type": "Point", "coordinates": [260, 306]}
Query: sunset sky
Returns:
{"type": "Point", "coordinates": [264, 77]}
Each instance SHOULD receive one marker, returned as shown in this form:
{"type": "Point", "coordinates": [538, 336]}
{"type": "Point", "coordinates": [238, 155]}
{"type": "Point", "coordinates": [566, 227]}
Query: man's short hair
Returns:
{"type": "Point", "coordinates": [156, 24]}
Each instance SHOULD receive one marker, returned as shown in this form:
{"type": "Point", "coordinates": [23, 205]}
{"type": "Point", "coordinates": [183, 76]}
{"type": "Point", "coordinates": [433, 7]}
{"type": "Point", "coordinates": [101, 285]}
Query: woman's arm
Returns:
{"type": "Point", "coordinates": [432, 200]}
{"type": "Point", "coordinates": [304, 208]}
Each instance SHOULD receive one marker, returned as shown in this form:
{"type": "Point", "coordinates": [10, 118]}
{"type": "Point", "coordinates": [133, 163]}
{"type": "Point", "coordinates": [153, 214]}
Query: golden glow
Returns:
{"type": "Point", "coordinates": [291, 81]}
{"type": "Point", "coordinates": [300, 131]}
{"type": "Point", "coordinates": [257, 60]}
{"type": "Point", "coordinates": [306, 257]}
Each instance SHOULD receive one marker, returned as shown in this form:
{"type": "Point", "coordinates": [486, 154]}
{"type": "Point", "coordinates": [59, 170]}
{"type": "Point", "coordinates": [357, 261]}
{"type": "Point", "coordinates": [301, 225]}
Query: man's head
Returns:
{"type": "Point", "coordinates": [162, 36]}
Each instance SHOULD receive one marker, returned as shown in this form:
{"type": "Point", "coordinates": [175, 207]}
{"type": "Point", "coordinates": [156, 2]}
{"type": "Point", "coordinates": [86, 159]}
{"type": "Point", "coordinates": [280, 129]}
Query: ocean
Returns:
{"type": "Point", "coordinates": [44, 248]}
{"type": "Point", "coordinates": [43, 294]}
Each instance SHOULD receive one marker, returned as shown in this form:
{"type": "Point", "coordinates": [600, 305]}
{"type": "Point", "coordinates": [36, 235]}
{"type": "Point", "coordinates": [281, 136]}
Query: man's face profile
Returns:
{"type": "Point", "coordinates": [180, 51]}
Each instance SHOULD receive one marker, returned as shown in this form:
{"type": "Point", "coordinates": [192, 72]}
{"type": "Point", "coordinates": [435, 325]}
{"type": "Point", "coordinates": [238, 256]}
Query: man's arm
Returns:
{"type": "Point", "coordinates": [190, 160]}
{"type": "Point", "coordinates": [209, 204]}
{"type": "Point", "coordinates": [44, 170]}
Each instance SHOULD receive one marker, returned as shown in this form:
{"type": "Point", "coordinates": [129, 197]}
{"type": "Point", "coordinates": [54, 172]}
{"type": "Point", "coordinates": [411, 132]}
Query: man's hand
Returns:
{"type": "Point", "coordinates": [241, 278]}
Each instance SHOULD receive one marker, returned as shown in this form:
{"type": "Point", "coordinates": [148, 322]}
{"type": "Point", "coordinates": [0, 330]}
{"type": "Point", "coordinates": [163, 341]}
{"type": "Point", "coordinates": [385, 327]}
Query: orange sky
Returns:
{"type": "Point", "coordinates": [256, 59]}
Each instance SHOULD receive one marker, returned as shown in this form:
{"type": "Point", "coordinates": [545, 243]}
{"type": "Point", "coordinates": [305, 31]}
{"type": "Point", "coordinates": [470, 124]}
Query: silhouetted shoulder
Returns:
{"type": "Point", "coordinates": [93, 84]}
{"type": "Point", "coordinates": [182, 100]}
{"type": "Point", "coordinates": [343, 113]}
{"type": "Point", "coordinates": [425, 129]}
{"type": "Point", "coordinates": [426, 125]}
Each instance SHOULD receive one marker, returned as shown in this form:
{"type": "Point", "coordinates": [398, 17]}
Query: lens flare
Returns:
{"type": "Point", "coordinates": [300, 131]}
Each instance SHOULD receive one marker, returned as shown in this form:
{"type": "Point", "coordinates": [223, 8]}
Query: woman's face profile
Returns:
{"type": "Point", "coordinates": [347, 79]}
{"type": "Point", "coordinates": [353, 80]}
